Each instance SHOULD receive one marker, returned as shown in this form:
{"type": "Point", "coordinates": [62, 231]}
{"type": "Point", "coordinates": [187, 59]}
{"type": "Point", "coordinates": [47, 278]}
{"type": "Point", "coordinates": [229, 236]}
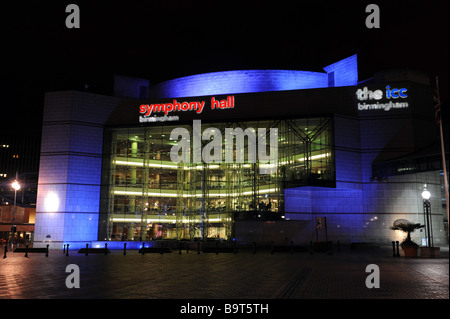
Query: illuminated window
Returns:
{"type": "Point", "coordinates": [152, 197]}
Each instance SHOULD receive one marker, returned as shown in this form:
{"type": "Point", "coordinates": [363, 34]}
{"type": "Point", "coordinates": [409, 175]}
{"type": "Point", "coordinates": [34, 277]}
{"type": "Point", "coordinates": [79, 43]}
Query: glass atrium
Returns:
{"type": "Point", "coordinates": [147, 196]}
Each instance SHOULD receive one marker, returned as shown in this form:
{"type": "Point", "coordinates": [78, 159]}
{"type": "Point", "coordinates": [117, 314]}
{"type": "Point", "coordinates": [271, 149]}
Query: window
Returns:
{"type": "Point", "coordinates": [151, 197]}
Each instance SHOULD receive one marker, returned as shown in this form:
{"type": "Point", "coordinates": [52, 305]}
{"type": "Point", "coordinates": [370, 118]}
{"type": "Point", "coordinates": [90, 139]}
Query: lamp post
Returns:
{"type": "Point", "coordinates": [427, 212]}
{"type": "Point", "coordinates": [16, 187]}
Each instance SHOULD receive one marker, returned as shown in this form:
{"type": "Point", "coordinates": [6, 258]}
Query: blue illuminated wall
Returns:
{"type": "Point", "coordinates": [67, 208]}
{"type": "Point", "coordinates": [342, 207]}
{"type": "Point", "coordinates": [361, 208]}
{"type": "Point", "coordinates": [344, 73]}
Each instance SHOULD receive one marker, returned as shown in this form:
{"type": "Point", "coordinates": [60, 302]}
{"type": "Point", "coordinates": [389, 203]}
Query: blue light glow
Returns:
{"type": "Point", "coordinates": [344, 73]}
{"type": "Point", "coordinates": [323, 200]}
{"type": "Point", "coordinates": [112, 245]}
{"type": "Point", "coordinates": [342, 207]}
{"type": "Point", "coordinates": [80, 226]}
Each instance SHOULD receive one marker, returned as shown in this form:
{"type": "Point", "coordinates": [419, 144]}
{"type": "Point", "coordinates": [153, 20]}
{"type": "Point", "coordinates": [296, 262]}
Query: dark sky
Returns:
{"type": "Point", "coordinates": [161, 40]}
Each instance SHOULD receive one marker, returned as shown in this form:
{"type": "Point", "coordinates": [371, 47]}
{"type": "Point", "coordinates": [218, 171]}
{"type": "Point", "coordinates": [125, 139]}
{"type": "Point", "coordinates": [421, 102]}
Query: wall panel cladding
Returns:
{"type": "Point", "coordinates": [247, 81]}
{"type": "Point", "coordinates": [70, 171]}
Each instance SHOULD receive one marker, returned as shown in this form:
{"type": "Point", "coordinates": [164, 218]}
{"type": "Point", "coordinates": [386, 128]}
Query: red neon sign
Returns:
{"type": "Point", "coordinates": [197, 106]}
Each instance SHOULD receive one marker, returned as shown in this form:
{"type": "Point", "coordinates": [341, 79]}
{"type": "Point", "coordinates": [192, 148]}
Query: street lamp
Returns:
{"type": "Point", "coordinates": [427, 212]}
{"type": "Point", "coordinates": [16, 187]}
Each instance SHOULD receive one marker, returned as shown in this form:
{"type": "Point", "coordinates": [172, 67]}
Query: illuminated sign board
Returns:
{"type": "Point", "coordinates": [378, 100]}
{"type": "Point", "coordinates": [147, 110]}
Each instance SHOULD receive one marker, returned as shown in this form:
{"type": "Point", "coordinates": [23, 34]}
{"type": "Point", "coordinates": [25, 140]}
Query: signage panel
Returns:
{"type": "Point", "coordinates": [388, 99]}
{"type": "Point", "coordinates": [147, 110]}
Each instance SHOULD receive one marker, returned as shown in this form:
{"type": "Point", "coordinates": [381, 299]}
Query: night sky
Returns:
{"type": "Point", "coordinates": [162, 40]}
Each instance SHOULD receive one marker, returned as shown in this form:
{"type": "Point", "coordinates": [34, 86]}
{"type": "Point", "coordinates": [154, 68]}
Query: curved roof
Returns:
{"type": "Point", "coordinates": [341, 73]}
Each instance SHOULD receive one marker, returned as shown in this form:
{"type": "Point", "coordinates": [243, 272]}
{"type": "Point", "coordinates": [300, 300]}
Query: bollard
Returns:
{"type": "Point", "coordinates": [26, 250]}
{"type": "Point", "coordinates": [198, 248]}
{"type": "Point", "coordinates": [330, 248]}
{"type": "Point", "coordinates": [393, 248]}
{"type": "Point", "coordinates": [187, 248]}
{"type": "Point", "coordinates": [398, 254]}
{"type": "Point", "coordinates": [161, 251]}
{"type": "Point", "coordinates": [106, 249]}
{"type": "Point", "coordinates": [46, 251]}
{"type": "Point", "coordinates": [234, 248]}
{"type": "Point", "coordinates": [6, 249]}
{"type": "Point", "coordinates": [142, 250]}
{"type": "Point", "coordinates": [124, 249]}
{"type": "Point", "coordinates": [67, 250]}
{"type": "Point", "coordinates": [86, 251]}
{"type": "Point", "coordinates": [64, 249]}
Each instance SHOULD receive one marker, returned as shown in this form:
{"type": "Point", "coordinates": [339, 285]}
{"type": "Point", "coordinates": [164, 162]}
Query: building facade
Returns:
{"type": "Point", "coordinates": [194, 158]}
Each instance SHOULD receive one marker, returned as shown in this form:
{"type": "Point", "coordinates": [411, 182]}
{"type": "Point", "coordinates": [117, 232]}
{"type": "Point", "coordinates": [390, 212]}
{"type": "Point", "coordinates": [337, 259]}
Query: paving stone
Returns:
{"type": "Point", "coordinates": [241, 276]}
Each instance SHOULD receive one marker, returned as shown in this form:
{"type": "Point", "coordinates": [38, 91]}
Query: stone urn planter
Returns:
{"type": "Point", "coordinates": [410, 248]}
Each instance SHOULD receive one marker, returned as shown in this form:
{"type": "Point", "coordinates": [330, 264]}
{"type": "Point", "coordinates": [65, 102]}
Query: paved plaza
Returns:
{"type": "Point", "coordinates": [244, 275]}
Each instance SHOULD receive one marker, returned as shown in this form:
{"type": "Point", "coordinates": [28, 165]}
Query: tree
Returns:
{"type": "Point", "coordinates": [407, 228]}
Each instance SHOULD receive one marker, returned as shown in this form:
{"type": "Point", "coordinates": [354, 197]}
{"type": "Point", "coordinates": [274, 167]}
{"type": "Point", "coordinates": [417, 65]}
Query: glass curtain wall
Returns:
{"type": "Point", "coordinates": [150, 197]}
